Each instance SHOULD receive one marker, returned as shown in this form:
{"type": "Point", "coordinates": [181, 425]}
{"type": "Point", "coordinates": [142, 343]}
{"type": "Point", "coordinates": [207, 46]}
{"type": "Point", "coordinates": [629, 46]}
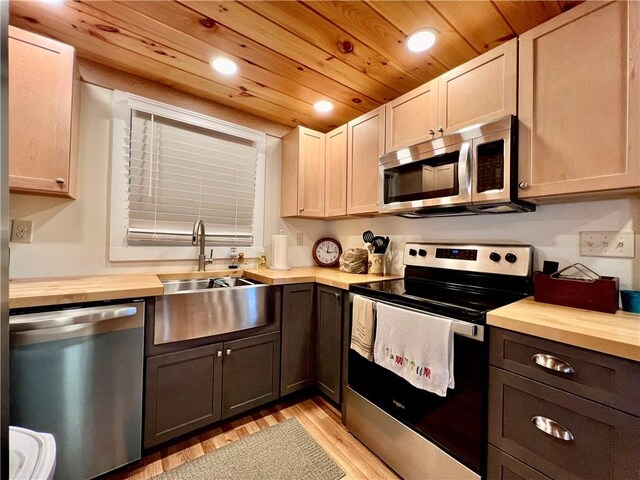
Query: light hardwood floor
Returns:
{"type": "Point", "coordinates": [315, 414]}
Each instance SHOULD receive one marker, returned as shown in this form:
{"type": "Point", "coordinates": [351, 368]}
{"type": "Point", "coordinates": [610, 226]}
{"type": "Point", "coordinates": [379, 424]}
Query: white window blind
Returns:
{"type": "Point", "coordinates": [179, 173]}
{"type": "Point", "coordinates": [172, 167]}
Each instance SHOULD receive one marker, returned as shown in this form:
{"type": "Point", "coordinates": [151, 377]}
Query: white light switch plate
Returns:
{"type": "Point", "coordinates": [607, 244]}
{"type": "Point", "coordinates": [22, 231]}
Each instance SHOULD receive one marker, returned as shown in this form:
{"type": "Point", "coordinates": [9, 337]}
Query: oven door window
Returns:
{"type": "Point", "coordinates": [455, 422]}
{"type": "Point", "coordinates": [433, 177]}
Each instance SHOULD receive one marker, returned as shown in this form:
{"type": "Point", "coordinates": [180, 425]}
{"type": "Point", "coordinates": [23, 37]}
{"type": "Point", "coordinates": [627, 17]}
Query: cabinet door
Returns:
{"type": "Point", "coordinates": [578, 104]}
{"type": "Point", "coordinates": [328, 341]}
{"type": "Point", "coordinates": [410, 118]}
{"type": "Point", "coordinates": [480, 90]}
{"type": "Point", "coordinates": [336, 172]}
{"type": "Point", "coordinates": [182, 392]}
{"type": "Point", "coordinates": [302, 176]}
{"type": "Point", "coordinates": [365, 142]}
{"type": "Point", "coordinates": [526, 419]}
{"type": "Point", "coordinates": [251, 373]}
{"type": "Point", "coordinates": [297, 331]}
{"type": "Point", "coordinates": [501, 466]}
{"type": "Point", "coordinates": [43, 106]}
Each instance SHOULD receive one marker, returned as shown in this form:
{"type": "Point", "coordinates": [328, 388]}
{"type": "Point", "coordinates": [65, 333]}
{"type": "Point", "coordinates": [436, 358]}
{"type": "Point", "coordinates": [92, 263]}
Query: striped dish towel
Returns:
{"type": "Point", "coordinates": [362, 327]}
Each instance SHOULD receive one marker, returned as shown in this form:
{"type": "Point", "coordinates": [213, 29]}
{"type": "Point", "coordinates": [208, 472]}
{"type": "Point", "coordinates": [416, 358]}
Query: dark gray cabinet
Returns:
{"type": "Point", "coordinates": [551, 411]}
{"type": "Point", "coordinates": [193, 388]}
{"type": "Point", "coordinates": [250, 373]}
{"type": "Point", "coordinates": [328, 340]}
{"type": "Point", "coordinates": [297, 371]}
{"type": "Point", "coordinates": [182, 392]}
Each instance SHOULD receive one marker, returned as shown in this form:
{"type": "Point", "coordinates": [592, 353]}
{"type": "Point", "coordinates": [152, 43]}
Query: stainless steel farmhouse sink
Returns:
{"type": "Point", "coordinates": [196, 308]}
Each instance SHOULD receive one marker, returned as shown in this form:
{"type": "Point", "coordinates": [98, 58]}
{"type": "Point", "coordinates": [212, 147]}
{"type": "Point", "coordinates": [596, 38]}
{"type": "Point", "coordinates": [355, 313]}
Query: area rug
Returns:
{"type": "Point", "coordinates": [281, 452]}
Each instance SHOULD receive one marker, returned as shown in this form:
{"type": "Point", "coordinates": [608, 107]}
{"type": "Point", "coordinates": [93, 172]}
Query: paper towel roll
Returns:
{"type": "Point", "coordinates": [279, 259]}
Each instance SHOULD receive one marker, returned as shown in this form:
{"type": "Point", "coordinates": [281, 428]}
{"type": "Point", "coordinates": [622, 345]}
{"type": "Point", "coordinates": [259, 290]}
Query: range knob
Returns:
{"type": "Point", "coordinates": [422, 252]}
{"type": "Point", "coordinates": [412, 252]}
{"type": "Point", "coordinates": [510, 257]}
{"type": "Point", "coordinates": [494, 257]}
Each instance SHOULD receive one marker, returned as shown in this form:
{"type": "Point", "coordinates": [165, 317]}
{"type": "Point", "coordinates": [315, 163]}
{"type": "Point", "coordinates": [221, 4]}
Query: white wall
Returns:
{"type": "Point", "coordinates": [553, 230]}
{"type": "Point", "coordinates": [71, 237]}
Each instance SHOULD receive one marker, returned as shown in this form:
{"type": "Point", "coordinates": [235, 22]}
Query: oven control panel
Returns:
{"type": "Point", "coordinates": [495, 258]}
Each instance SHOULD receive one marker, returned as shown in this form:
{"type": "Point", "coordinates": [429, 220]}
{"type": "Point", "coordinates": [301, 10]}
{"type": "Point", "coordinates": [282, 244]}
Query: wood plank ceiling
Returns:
{"type": "Point", "coordinates": [290, 54]}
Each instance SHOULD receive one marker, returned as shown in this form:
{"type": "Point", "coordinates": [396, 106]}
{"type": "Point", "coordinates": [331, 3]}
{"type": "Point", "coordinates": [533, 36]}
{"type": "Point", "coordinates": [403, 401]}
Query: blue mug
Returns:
{"type": "Point", "coordinates": [630, 300]}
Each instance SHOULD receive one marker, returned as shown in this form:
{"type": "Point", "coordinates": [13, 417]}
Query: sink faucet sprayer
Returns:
{"type": "Point", "coordinates": [198, 238]}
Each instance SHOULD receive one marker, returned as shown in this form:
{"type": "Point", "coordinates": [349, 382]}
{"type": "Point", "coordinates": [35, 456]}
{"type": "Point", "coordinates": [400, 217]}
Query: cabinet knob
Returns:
{"type": "Point", "coordinates": [337, 296]}
{"type": "Point", "coordinates": [60, 180]}
{"type": "Point", "coordinates": [301, 209]}
{"type": "Point", "coordinates": [228, 352]}
{"type": "Point", "coordinates": [523, 185]}
{"type": "Point", "coordinates": [432, 132]}
{"type": "Point", "coordinates": [219, 353]}
{"type": "Point", "coordinates": [440, 130]}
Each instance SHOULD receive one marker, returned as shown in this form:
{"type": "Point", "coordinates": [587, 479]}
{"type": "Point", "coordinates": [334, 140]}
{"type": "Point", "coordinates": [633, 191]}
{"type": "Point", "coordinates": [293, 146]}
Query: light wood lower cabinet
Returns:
{"type": "Point", "coordinates": [365, 141]}
{"type": "Point", "coordinates": [303, 172]}
{"type": "Point", "coordinates": [43, 115]}
{"type": "Point", "coordinates": [579, 104]}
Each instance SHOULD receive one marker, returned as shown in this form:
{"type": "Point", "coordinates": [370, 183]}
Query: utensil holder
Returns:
{"type": "Point", "coordinates": [376, 263]}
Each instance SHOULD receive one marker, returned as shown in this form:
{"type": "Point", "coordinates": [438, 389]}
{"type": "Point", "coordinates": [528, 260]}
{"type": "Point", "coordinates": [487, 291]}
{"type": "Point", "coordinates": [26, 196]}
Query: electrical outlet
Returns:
{"type": "Point", "coordinates": [607, 244]}
{"type": "Point", "coordinates": [299, 238]}
{"type": "Point", "coordinates": [22, 231]}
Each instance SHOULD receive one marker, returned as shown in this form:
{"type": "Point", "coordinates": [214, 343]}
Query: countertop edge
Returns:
{"type": "Point", "coordinates": [578, 335]}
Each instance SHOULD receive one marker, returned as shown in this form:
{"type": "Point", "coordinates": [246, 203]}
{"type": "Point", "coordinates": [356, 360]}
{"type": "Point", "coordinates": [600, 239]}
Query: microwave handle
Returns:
{"type": "Point", "coordinates": [464, 174]}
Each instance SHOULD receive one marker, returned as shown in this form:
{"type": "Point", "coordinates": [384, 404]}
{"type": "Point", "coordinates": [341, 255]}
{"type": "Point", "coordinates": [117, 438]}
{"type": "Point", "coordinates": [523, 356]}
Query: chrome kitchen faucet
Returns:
{"type": "Point", "coordinates": [198, 238]}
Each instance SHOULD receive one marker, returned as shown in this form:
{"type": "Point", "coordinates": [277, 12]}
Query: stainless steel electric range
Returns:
{"type": "Point", "coordinates": [417, 433]}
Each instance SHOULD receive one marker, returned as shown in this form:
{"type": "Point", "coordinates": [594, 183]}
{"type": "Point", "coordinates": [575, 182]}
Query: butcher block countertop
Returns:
{"type": "Point", "coordinates": [64, 290]}
{"type": "Point", "coordinates": [616, 334]}
{"type": "Point", "coordinates": [326, 276]}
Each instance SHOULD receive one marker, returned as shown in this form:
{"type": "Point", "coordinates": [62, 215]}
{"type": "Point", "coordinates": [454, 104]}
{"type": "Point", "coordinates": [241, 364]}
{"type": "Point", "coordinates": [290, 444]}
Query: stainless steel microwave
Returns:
{"type": "Point", "coordinates": [471, 171]}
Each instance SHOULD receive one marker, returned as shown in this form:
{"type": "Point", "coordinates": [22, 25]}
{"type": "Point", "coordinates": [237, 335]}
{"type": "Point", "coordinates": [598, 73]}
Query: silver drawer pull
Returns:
{"type": "Point", "coordinates": [552, 428]}
{"type": "Point", "coordinates": [552, 363]}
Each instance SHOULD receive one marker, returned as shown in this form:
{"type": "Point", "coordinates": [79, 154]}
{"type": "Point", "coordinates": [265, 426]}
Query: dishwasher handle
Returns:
{"type": "Point", "coordinates": [63, 318]}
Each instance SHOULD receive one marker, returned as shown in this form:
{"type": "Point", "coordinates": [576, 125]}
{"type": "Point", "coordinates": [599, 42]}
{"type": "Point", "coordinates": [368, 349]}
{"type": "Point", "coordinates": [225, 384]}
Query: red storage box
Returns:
{"type": "Point", "coordinates": [600, 295]}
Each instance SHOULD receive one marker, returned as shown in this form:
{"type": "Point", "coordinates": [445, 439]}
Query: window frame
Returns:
{"type": "Point", "coordinates": [119, 250]}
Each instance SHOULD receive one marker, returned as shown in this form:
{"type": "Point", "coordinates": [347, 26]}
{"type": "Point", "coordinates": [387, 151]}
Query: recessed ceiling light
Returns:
{"type": "Point", "coordinates": [323, 106]}
{"type": "Point", "coordinates": [224, 65]}
{"type": "Point", "coordinates": [51, 1]}
{"type": "Point", "coordinates": [421, 40]}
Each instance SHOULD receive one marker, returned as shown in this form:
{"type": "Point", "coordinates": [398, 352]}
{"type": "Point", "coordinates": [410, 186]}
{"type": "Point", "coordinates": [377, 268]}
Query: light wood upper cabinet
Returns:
{"type": "Point", "coordinates": [303, 172]}
{"type": "Point", "coordinates": [580, 103]}
{"type": "Point", "coordinates": [43, 115]}
{"type": "Point", "coordinates": [336, 172]}
{"type": "Point", "coordinates": [480, 90]}
{"type": "Point", "coordinates": [412, 117]}
{"type": "Point", "coordinates": [365, 142]}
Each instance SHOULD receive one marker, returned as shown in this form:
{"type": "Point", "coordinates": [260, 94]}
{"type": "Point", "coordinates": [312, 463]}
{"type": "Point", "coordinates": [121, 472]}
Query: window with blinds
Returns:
{"type": "Point", "coordinates": [177, 167]}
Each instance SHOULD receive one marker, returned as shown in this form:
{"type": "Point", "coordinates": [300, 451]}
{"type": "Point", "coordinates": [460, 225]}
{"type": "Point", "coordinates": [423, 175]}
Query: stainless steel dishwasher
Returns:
{"type": "Point", "coordinates": [77, 374]}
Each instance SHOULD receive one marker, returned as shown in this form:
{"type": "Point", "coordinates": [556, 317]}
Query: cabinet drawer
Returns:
{"type": "Point", "coordinates": [602, 378]}
{"type": "Point", "coordinates": [501, 466]}
{"type": "Point", "coordinates": [600, 442]}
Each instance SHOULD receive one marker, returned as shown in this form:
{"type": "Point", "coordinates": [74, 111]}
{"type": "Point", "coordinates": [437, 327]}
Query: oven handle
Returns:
{"type": "Point", "coordinates": [466, 329]}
